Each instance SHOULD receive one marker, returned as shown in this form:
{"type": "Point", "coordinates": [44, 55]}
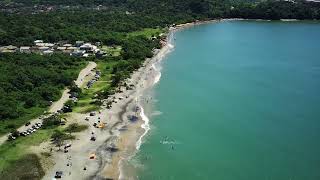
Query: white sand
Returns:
{"type": "Point", "coordinates": [106, 163]}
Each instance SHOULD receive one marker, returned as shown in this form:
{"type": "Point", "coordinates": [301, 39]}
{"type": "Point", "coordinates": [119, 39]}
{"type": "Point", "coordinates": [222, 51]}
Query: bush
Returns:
{"type": "Point", "coordinates": [51, 122]}
{"type": "Point", "coordinates": [75, 127]}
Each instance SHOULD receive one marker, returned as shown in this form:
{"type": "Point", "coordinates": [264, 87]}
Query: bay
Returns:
{"type": "Point", "coordinates": [239, 100]}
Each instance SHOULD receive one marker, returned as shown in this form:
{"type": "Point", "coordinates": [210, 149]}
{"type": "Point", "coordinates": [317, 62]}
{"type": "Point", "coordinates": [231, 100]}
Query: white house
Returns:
{"type": "Point", "coordinates": [25, 49]}
{"type": "Point", "coordinates": [38, 41]}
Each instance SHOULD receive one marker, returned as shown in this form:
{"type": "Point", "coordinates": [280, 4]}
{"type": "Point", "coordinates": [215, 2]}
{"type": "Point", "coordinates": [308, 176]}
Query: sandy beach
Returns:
{"type": "Point", "coordinates": [121, 137]}
{"type": "Point", "coordinates": [125, 126]}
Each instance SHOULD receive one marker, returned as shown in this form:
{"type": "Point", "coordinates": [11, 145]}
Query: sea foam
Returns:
{"type": "Point", "coordinates": [145, 126]}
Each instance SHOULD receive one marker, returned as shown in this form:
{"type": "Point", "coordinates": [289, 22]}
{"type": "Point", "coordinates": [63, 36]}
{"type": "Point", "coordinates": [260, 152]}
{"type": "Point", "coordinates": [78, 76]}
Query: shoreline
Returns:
{"type": "Point", "coordinates": [126, 136]}
{"type": "Point", "coordinates": [119, 132]}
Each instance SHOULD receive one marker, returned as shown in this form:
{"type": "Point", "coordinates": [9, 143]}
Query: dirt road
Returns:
{"type": "Point", "coordinates": [58, 104]}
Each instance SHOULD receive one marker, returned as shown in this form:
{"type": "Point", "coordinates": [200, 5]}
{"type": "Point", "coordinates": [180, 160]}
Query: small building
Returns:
{"type": "Point", "coordinates": [40, 44]}
{"type": "Point", "coordinates": [86, 47]}
{"type": "Point", "coordinates": [1, 49]}
{"type": "Point", "coordinates": [8, 49]}
{"type": "Point", "coordinates": [100, 54]}
{"type": "Point", "coordinates": [98, 44]}
{"type": "Point", "coordinates": [48, 44]}
{"type": "Point", "coordinates": [72, 48]}
{"type": "Point", "coordinates": [38, 41]}
{"type": "Point", "coordinates": [43, 48]}
{"type": "Point", "coordinates": [89, 48]}
{"type": "Point", "coordinates": [67, 45]}
{"type": "Point", "coordinates": [11, 47]}
{"type": "Point", "coordinates": [77, 53]}
{"type": "Point", "coordinates": [79, 43]}
{"type": "Point", "coordinates": [47, 52]}
{"type": "Point", "coordinates": [61, 48]}
{"type": "Point", "coordinates": [25, 49]}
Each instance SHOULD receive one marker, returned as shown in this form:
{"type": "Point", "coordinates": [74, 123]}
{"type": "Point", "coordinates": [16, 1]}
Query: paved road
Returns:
{"type": "Point", "coordinates": [58, 104]}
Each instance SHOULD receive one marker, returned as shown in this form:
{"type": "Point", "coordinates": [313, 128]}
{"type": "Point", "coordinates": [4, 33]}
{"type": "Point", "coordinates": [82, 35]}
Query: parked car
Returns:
{"type": "Point", "coordinates": [58, 174]}
{"type": "Point", "coordinates": [67, 146]}
{"type": "Point", "coordinates": [10, 137]}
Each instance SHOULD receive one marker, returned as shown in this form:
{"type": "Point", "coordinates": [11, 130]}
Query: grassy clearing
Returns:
{"type": "Point", "coordinates": [8, 125]}
{"type": "Point", "coordinates": [15, 155]}
{"type": "Point", "coordinates": [75, 127]}
{"type": "Point", "coordinates": [16, 161]}
{"type": "Point", "coordinates": [147, 32]}
{"type": "Point", "coordinates": [112, 50]}
{"type": "Point", "coordinates": [86, 102]}
{"type": "Point", "coordinates": [27, 167]}
{"type": "Point", "coordinates": [13, 151]}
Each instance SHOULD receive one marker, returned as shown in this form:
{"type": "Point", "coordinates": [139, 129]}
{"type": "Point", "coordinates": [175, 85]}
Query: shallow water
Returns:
{"type": "Point", "coordinates": [239, 101]}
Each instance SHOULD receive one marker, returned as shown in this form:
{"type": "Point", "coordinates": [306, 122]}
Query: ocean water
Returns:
{"type": "Point", "coordinates": [239, 100]}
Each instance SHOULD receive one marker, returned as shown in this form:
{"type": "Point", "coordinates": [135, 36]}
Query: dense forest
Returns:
{"type": "Point", "coordinates": [29, 80]}
{"type": "Point", "coordinates": [70, 26]}
{"type": "Point", "coordinates": [34, 80]}
{"type": "Point", "coordinates": [125, 16]}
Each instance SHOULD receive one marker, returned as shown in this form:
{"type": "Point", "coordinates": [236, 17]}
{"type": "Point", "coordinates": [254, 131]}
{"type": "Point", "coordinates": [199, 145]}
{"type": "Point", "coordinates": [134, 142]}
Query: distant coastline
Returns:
{"type": "Point", "coordinates": [120, 132]}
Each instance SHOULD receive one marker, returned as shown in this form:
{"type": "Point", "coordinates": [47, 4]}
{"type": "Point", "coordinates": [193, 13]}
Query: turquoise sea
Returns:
{"type": "Point", "coordinates": [240, 100]}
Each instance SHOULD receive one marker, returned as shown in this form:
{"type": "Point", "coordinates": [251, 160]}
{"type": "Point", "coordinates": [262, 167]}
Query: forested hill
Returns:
{"type": "Point", "coordinates": [199, 9]}
{"type": "Point", "coordinates": [269, 9]}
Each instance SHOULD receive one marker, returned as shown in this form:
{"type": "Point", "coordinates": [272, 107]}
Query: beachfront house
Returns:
{"type": "Point", "coordinates": [100, 54]}
{"type": "Point", "coordinates": [72, 48]}
{"type": "Point", "coordinates": [89, 48]}
{"type": "Point", "coordinates": [79, 43]}
{"type": "Point", "coordinates": [86, 47]}
{"type": "Point", "coordinates": [61, 48]}
{"type": "Point", "coordinates": [40, 44]}
{"type": "Point", "coordinates": [86, 55]}
{"type": "Point", "coordinates": [47, 52]}
{"type": "Point", "coordinates": [77, 53]}
{"type": "Point", "coordinates": [67, 45]}
{"type": "Point", "coordinates": [38, 41]}
{"type": "Point", "coordinates": [9, 49]}
{"type": "Point", "coordinates": [25, 49]}
{"type": "Point", "coordinates": [43, 48]}
{"type": "Point", "coordinates": [48, 44]}
{"type": "Point", "coordinates": [98, 44]}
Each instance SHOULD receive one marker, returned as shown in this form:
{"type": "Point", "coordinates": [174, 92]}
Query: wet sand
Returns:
{"type": "Point", "coordinates": [121, 133]}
